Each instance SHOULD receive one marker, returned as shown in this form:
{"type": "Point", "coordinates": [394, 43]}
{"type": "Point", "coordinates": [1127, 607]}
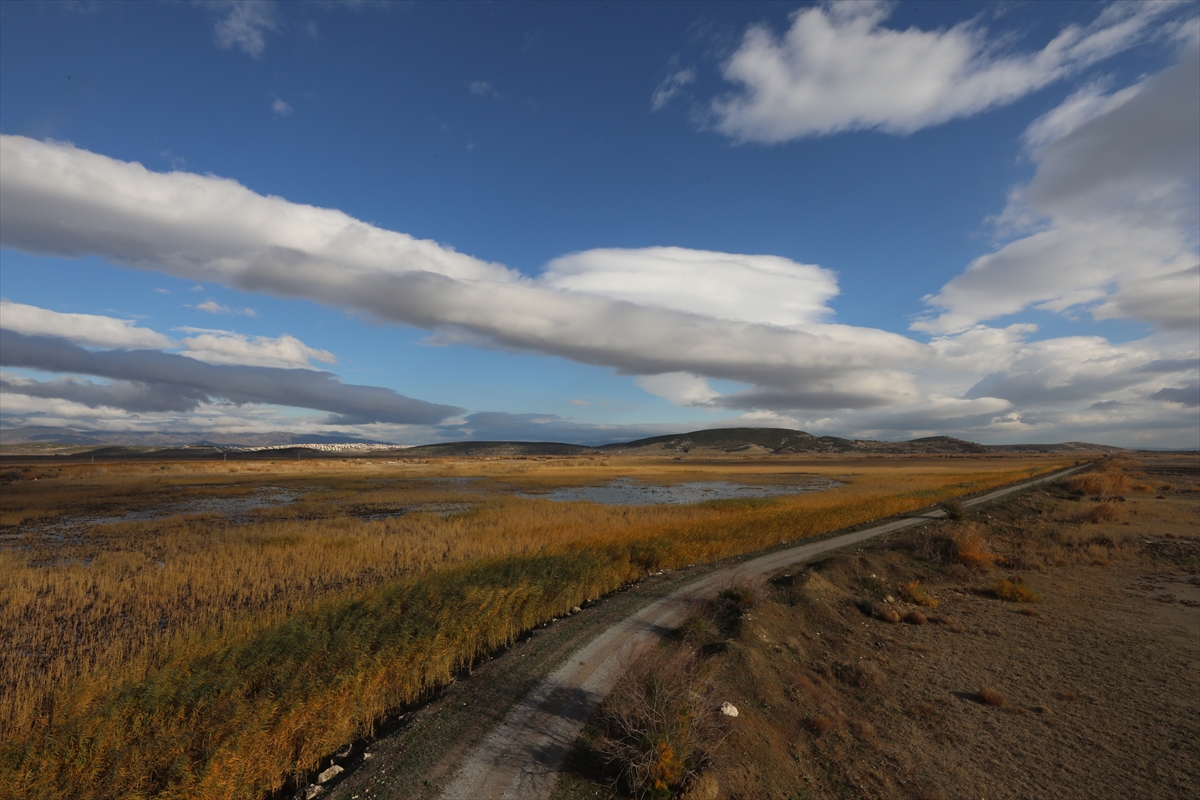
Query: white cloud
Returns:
{"type": "Point", "coordinates": [213, 307]}
{"type": "Point", "coordinates": [670, 87]}
{"type": "Point", "coordinates": [86, 329]}
{"type": "Point", "coordinates": [1082, 106]}
{"type": "Point", "coordinates": [281, 108]}
{"type": "Point", "coordinates": [225, 347]}
{"type": "Point", "coordinates": [1115, 200]}
{"type": "Point", "coordinates": [1074, 369]}
{"type": "Point", "coordinates": [483, 89]}
{"type": "Point", "coordinates": [980, 349]}
{"type": "Point", "coordinates": [675, 317]}
{"type": "Point", "coordinates": [154, 381]}
{"type": "Point", "coordinates": [245, 24]}
{"type": "Point", "coordinates": [681, 388]}
{"type": "Point", "coordinates": [211, 229]}
{"type": "Point", "coordinates": [751, 288]}
{"type": "Point", "coordinates": [839, 68]}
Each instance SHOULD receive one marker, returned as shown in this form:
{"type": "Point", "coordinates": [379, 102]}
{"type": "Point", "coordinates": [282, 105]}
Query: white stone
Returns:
{"type": "Point", "coordinates": [309, 792]}
{"type": "Point", "coordinates": [330, 774]}
{"type": "Point", "coordinates": [729, 709]}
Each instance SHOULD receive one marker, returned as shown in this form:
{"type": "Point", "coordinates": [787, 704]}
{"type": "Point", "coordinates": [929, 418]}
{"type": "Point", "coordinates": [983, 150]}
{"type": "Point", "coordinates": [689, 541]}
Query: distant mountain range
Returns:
{"type": "Point", "coordinates": [717, 441]}
{"type": "Point", "coordinates": [750, 441]}
{"type": "Point", "coordinates": [70, 436]}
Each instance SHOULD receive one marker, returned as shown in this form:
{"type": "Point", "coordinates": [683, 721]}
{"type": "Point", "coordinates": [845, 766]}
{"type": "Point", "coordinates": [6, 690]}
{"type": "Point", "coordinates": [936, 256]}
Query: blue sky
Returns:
{"type": "Point", "coordinates": [590, 222]}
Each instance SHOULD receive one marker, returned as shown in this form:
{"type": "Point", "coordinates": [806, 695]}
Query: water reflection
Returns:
{"type": "Point", "coordinates": [628, 492]}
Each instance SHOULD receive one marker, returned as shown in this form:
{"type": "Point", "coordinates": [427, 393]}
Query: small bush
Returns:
{"type": "Point", "coordinates": [915, 618]}
{"type": "Point", "coordinates": [657, 729]}
{"type": "Point", "coordinates": [731, 605]}
{"type": "Point", "coordinates": [971, 548]}
{"type": "Point", "coordinates": [888, 615]}
{"type": "Point", "coordinates": [1104, 512]}
{"type": "Point", "coordinates": [866, 606]}
{"type": "Point", "coordinates": [954, 509]}
{"type": "Point", "coordinates": [1100, 483]}
{"type": "Point", "coordinates": [989, 697]}
{"type": "Point", "coordinates": [696, 628]}
{"type": "Point", "coordinates": [914, 592]}
{"type": "Point", "coordinates": [1015, 590]}
{"type": "Point", "coordinates": [975, 555]}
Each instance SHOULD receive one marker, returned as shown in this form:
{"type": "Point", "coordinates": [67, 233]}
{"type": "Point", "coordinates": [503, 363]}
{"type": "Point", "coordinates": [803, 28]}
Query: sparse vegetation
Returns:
{"type": "Point", "coordinates": [971, 547]}
{"type": "Point", "coordinates": [953, 508]}
{"type": "Point", "coordinates": [914, 592]}
{"type": "Point", "coordinates": [837, 702]}
{"type": "Point", "coordinates": [215, 654]}
{"type": "Point", "coordinates": [656, 730]}
{"type": "Point", "coordinates": [1015, 590]}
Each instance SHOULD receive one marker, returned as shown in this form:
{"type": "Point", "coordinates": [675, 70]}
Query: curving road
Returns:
{"type": "Point", "coordinates": [521, 758]}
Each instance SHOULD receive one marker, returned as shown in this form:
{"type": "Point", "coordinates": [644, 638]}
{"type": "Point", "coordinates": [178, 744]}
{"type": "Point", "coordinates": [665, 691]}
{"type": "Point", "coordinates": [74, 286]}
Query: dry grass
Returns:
{"type": "Point", "coordinates": [658, 727]}
{"type": "Point", "coordinates": [971, 548]}
{"type": "Point", "coordinates": [1101, 512]}
{"type": "Point", "coordinates": [1015, 590]}
{"type": "Point", "coordinates": [199, 655]}
{"type": "Point", "coordinates": [914, 592]}
{"type": "Point", "coordinates": [888, 614]}
{"type": "Point", "coordinates": [989, 697]}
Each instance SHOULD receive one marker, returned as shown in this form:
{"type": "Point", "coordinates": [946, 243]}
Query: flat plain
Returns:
{"type": "Point", "coordinates": [218, 629]}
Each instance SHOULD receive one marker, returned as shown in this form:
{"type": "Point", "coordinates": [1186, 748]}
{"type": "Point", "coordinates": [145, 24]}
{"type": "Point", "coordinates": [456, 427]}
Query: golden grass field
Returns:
{"type": "Point", "coordinates": [204, 655]}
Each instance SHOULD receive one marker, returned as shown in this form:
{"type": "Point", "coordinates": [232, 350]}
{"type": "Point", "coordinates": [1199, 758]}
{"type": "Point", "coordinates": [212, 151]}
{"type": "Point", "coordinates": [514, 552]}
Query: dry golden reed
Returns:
{"type": "Point", "coordinates": [210, 655]}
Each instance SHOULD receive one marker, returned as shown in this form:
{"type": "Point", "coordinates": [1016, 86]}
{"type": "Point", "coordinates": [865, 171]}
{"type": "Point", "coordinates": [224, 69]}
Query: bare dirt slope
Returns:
{"type": "Point", "coordinates": [1093, 691]}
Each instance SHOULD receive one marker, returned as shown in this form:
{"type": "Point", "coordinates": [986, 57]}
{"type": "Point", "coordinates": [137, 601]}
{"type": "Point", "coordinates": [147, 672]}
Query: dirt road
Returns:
{"type": "Point", "coordinates": [522, 756]}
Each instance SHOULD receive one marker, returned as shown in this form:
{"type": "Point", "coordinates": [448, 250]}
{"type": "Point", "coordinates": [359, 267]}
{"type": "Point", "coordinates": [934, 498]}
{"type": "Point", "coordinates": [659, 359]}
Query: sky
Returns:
{"type": "Point", "coordinates": [592, 222]}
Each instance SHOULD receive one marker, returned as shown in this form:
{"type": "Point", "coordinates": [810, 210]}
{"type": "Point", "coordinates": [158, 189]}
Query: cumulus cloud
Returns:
{"type": "Point", "coordinates": [1078, 368]}
{"type": "Point", "coordinates": [752, 288]}
{"type": "Point", "coordinates": [88, 329]}
{"type": "Point", "coordinates": [1115, 206]}
{"type": "Point", "coordinates": [980, 349]}
{"type": "Point", "coordinates": [244, 25]}
{"type": "Point", "coordinates": [168, 381]}
{"type": "Point", "coordinates": [68, 202]}
{"type": "Point", "coordinates": [681, 388]}
{"type": "Point", "coordinates": [213, 307]}
{"type": "Point", "coordinates": [281, 108]}
{"type": "Point", "coordinates": [670, 87]}
{"type": "Point", "coordinates": [839, 68]}
{"type": "Point", "coordinates": [225, 347]}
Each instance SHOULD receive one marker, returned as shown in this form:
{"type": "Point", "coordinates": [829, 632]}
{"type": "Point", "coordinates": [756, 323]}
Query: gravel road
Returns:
{"type": "Point", "coordinates": [522, 756]}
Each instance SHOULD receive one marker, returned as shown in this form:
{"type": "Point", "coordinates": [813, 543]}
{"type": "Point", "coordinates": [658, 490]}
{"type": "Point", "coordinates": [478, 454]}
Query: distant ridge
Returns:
{"type": "Point", "coordinates": [52, 442]}
{"type": "Point", "coordinates": [70, 436]}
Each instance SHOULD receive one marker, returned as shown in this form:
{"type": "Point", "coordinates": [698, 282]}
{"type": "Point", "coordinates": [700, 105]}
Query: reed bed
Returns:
{"type": "Point", "coordinates": [205, 656]}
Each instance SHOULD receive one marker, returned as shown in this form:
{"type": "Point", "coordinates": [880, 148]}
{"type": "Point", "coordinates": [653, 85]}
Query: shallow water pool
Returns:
{"type": "Point", "coordinates": [628, 492]}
